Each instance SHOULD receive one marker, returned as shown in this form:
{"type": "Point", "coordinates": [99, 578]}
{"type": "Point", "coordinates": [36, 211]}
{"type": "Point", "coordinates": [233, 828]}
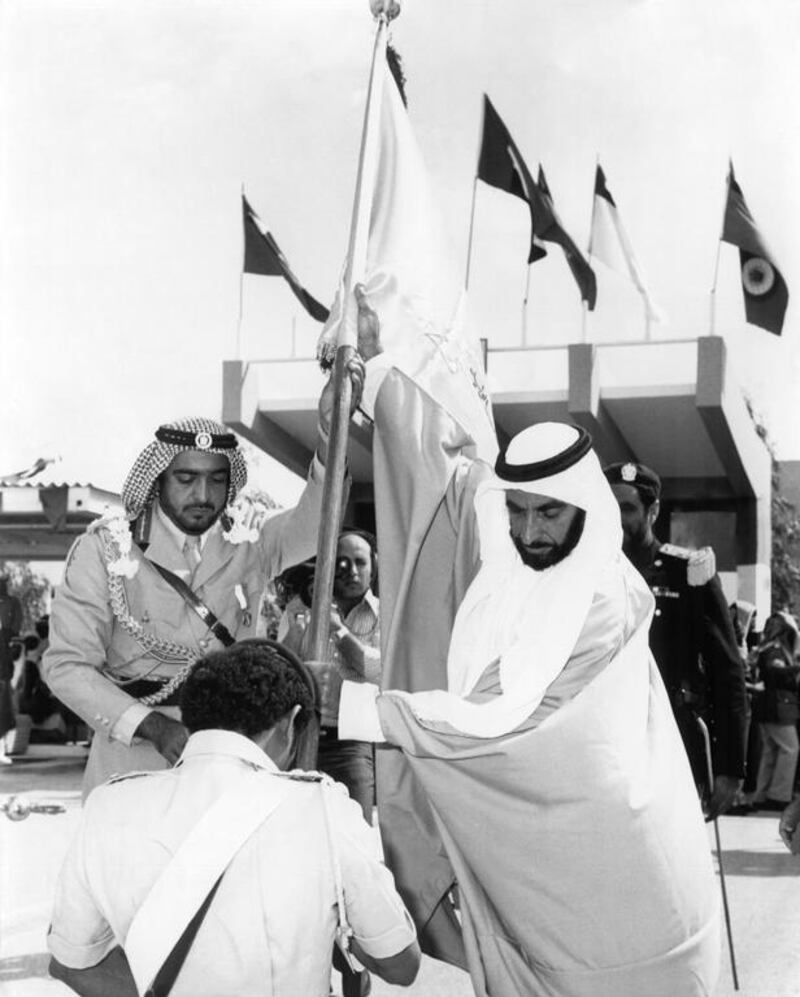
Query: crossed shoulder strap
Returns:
{"type": "Point", "coordinates": [186, 886]}
{"type": "Point", "coordinates": [193, 601]}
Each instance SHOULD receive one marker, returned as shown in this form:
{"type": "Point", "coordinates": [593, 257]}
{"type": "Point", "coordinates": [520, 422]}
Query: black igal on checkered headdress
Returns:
{"type": "Point", "coordinates": [203, 435]}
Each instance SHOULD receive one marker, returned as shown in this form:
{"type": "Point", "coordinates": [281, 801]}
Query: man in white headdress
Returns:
{"type": "Point", "coordinates": [540, 766]}
{"type": "Point", "coordinates": [181, 573]}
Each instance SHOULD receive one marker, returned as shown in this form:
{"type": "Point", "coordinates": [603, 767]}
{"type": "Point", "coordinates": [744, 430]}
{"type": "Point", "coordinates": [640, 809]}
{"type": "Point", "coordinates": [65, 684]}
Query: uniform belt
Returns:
{"type": "Point", "coordinates": [140, 688]}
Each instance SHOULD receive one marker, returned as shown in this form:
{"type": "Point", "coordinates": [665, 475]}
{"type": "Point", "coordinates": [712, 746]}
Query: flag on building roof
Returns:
{"type": "Point", "coordinates": [262, 256]}
{"type": "Point", "coordinates": [609, 242]}
{"type": "Point", "coordinates": [547, 227]}
{"type": "Point", "coordinates": [765, 292]}
{"type": "Point", "coordinates": [500, 164]}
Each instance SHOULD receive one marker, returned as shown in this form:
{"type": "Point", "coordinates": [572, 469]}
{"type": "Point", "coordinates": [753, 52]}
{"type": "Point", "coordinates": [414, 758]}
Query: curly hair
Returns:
{"type": "Point", "coordinates": [246, 688]}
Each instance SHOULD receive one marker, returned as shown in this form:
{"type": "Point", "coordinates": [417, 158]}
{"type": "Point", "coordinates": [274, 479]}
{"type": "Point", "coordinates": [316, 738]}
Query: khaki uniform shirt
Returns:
{"type": "Point", "coordinates": [270, 927]}
{"type": "Point", "coordinates": [91, 656]}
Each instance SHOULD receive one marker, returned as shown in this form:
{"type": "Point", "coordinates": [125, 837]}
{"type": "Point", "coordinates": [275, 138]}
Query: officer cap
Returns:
{"type": "Point", "coordinates": [641, 477]}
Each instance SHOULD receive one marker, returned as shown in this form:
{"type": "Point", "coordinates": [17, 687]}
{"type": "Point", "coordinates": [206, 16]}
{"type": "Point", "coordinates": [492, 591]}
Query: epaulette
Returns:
{"type": "Point", "coordinates": [101, 523]}
{"type": "Point", "coordinates": [125, 776]}
{"type": "Point", "coordinates": [701, 564]}
{"type": "Point", "coordinates": [300, 775]}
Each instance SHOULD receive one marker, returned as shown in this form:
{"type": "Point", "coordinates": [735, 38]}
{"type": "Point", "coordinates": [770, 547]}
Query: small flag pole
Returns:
{"type": "Point", "coordinates": [525, 305]}
{"type": "Point", "coordinates": [471, 229]}
{"type": "Point", "coordinates": [713, 310]}
{"type": "Point", "coordinates": [711, 329]}
{"type": "Point", "coordinates": [241, 297]}
{"type": "Point", "coordinates": [330, 518]}
{"type": "Point", "coordinates": [584, 303]}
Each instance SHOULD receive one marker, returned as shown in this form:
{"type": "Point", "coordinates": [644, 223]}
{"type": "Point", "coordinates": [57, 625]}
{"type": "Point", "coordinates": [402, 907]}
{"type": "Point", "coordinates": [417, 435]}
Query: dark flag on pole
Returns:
{"type": "Point", "coordinates": [547, 227]}
{"type": "Point", "coordinates": [765, 293]}
{"type": "Point", "coordinates": [500, 164]}
{"type": "Point", "coordinates": [262, 256]}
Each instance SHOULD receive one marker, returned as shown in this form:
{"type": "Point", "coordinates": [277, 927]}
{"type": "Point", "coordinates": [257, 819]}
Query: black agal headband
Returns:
{"type": "Point", "coordinates": [544, 468]}
{"type": "Point", "coordinates": [196, 441]}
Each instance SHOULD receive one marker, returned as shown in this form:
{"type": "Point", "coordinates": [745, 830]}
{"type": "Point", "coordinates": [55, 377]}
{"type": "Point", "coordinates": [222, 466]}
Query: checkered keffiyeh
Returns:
{"type": "Point", "coordinates": [139, 488]}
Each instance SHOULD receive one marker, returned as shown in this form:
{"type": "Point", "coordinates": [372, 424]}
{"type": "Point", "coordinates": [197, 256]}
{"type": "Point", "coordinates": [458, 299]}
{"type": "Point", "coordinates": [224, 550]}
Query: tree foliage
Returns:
{"type": "Point", "coordinates": [31, 590]}
{"type": "Point", "coordinates": [785, 550]}
{"type": "Point", "coordinates": [785, 554]}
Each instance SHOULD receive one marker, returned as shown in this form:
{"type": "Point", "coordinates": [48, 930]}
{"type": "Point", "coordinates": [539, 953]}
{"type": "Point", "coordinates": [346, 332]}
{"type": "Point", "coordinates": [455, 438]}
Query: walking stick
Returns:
{"type": "Point", "coordinates": [710, 772]}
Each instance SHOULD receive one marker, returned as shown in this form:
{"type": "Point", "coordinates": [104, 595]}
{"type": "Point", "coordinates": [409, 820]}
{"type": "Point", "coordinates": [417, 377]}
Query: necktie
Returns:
{"type": "Point", "coordinates": [191, 551]}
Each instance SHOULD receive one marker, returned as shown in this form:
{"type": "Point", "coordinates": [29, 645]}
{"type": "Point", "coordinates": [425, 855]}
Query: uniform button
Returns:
{"type": "Point", "coordinates": [657, 612]}
{"type": "Point", "coordinates": [658, 563]}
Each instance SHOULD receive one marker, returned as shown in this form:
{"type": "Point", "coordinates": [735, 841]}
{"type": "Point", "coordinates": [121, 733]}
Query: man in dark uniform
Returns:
{"type": "Point", "coordinates": [691, 637]}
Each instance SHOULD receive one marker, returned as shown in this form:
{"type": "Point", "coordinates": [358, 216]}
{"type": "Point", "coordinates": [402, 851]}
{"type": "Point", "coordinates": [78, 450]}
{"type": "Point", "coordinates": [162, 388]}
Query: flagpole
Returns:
{"type": "Point", "coordinates": [584, 303]}
{"type": "Point", "coordinates": [713, 303]}
{"type": "Point", "coordinates": [239, 323]}
{"type": "Point", "coordinates": [241, 298]}
{"type": "Point", "coordinates": [330, 518]}
{"type": "Point", "coordinates": [471, 227]}
{"type": "Point", "coordinates": [525, 306]}
{"type": "Point", "coordinates": [711, 329]}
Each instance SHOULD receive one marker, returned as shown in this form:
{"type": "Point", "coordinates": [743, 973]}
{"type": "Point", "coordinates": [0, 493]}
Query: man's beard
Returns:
{"type": "Point", "coordinates": [633, 543]}
{"type": "Point", "coordinates": [538, 560]}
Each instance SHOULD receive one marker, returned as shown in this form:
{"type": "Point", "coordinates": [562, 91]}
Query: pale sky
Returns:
{"type": "Point", "coordinates": [128, 129]}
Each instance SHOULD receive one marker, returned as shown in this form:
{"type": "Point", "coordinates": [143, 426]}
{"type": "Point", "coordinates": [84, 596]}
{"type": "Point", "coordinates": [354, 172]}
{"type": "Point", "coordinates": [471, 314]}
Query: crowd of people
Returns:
{"type": "Point", "coordinates": [554, 679]}
{"type": "Point", "coordinates": [32, 714]}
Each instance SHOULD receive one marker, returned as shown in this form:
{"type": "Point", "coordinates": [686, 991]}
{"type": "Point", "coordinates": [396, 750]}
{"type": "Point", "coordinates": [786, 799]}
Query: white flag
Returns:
{"type": "Point", "coordinates": [412, 284]}
{"type": "Point", "coordinates": [610, 244]}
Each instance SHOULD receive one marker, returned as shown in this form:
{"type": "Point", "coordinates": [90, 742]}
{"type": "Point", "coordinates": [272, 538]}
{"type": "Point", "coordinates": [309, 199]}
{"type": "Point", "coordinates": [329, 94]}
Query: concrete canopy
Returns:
{"type": "Point", "coordinates": [674, 405]}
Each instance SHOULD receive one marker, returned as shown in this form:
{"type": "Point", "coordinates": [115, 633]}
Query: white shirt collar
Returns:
{"type": "Point", "coordinates": [372, 601]}
{"type": "Point", "coordinates": [368, 599]}
{"type": "Point", "coordinates": [227, 742]}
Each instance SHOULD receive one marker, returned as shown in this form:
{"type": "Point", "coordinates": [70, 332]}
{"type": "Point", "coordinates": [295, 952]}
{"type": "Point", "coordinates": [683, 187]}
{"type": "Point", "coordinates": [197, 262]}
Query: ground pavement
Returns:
{"type": "Point", "coordinates": [763, 885]}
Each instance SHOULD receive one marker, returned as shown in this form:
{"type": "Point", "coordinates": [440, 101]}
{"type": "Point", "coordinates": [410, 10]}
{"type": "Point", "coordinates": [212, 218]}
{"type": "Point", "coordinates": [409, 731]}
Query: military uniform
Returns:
{"type": "Point", "coordinates": [692, 640]}
{"type": "Point", "coordinates": [270, 927]}
{"type": "Point", "coordinates": [119, 632]}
